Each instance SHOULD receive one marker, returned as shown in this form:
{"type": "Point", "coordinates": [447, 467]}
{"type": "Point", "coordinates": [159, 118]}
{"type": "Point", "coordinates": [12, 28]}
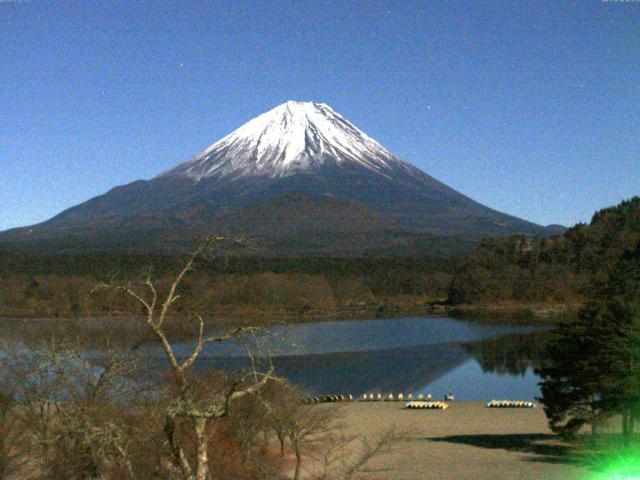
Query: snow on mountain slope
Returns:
{"type": "Point", "coordinates": [291, 138]}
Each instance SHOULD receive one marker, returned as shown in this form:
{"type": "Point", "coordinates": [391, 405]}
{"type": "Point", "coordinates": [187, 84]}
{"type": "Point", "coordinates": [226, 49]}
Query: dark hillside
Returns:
{"type": "Point", "coordinates": [561, 269]}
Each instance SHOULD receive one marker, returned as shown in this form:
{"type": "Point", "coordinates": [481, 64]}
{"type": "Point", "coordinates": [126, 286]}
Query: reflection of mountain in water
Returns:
{"type": "Point", "coordinates": [359, 336]}
{"type": "Point", "coordinates": [409, 355]}
{"type": "Point", "coordinates": [509, 354]}
{"type": "Point", "coordinates": [403, 369]}
{"type": "Point", "coordinates": [370, 356]}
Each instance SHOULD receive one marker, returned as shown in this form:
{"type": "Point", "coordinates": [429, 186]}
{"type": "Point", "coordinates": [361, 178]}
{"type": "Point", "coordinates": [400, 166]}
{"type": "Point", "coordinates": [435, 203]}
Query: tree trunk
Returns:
{"type": "Point", "coordinates": [594, 416]}
{"type": "Point", "coordinates": [298, 471]}
{"type": "Point", "coordinates": [202, 470]}
{"type": "Point", "coordinates": [179, 457]}
{"type": "Point", "coordinates": [625, 425]}
{"type": "Point", "coordinates": [4, 458]}
{"type": "Point", "coordinates": [45, 432]}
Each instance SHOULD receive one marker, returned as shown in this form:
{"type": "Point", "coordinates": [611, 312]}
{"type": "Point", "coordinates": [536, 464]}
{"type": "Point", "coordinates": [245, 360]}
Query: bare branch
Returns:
{"type": "Point", "coordinates": [154, 293]}
{"type": "Point", "coordinates": [254, 388]}
{"type": "Point", "coordinates": [199, 344]}
{"type": "Point", "coordinates": [129, 291]}
{"type": "Point", "coordinates": [171, 296]}
{"type": "Point", "coordinates": [229, 335]}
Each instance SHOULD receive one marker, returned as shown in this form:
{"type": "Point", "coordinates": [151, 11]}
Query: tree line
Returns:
{"type": "Point", "coordinates": [514, 270]}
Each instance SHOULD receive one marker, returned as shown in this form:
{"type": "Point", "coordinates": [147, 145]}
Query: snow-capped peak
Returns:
{"type": "Point", "coordinates": [292, 137]}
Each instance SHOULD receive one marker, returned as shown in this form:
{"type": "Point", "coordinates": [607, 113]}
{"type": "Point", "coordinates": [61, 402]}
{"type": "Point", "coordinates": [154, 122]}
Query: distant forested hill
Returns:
{"type": "Point", "coordinates": [556, 270]}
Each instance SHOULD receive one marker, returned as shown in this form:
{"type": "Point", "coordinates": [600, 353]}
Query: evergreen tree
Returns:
{"type": "Point", "coordinates": [572, 382]}
{"type": "Point", "coordinates": [623, 390]}
{"type": "Point", "coordinates": [594, 362]}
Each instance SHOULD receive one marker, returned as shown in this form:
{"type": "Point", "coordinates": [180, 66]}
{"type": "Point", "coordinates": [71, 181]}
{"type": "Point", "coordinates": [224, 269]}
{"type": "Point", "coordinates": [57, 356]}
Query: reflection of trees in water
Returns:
{"type": "Point", "coordinates": [509, 354]}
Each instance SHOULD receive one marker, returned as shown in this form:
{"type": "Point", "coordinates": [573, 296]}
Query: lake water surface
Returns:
{"type": "Point", "coordinates": [436, 355]}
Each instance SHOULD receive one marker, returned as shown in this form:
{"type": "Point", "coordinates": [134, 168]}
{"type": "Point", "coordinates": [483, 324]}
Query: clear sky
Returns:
{"type": "Point", "coordinates": [530, 107]}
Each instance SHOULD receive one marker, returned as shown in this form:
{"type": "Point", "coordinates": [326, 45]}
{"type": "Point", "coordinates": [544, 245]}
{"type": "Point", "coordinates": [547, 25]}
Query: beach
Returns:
{"type": "Point", "coordinates": [465, 441]}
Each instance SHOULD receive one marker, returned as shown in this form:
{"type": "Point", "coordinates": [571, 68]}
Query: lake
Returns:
{"type": "Point", "coordinates": [436, 355]}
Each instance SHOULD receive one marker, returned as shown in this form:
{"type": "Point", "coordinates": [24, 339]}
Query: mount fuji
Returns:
{"type": "Point", "coordinates": [299, 178]}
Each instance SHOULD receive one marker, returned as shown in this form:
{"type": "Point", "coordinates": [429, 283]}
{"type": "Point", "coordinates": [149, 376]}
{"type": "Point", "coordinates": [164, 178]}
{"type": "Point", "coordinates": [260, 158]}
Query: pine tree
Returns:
{"type": "Point", "coordinates": [623, 391]}
{"type": "Point", "coordinates": [572, 382]}
{"type": "Point", "coordinates": [594, 362]}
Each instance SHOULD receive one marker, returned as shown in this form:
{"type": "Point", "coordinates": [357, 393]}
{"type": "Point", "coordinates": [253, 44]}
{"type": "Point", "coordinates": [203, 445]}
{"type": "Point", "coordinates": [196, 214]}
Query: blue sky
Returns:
{"type": "Point", "coordinates": [531, 108]}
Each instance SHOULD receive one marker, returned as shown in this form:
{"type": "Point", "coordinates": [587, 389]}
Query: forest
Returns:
{"type": "Point", "coordinates": [515, 273]}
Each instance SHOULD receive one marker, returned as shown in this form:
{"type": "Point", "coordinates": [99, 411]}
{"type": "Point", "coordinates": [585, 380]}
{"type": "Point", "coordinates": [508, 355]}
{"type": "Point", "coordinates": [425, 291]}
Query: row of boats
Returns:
{"type": "Point", "coordinates": [427, 405]}
{"type": "Point", "coordinates": [421, 402]}
{"type": "Point", "coordinates": [399, 398]}
{"type": "Point", "coordinates": [510, 404]}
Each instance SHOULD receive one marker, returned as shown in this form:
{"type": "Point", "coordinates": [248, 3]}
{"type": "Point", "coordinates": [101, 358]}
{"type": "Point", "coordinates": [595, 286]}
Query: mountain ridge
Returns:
{"type": "Point", "coordinates": [295, 147]}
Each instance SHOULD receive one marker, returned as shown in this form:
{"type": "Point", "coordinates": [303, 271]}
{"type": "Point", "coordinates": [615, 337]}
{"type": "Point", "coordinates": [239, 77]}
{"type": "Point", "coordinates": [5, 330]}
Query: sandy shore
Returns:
{"type": "Point", "coordinates": [466, 441]}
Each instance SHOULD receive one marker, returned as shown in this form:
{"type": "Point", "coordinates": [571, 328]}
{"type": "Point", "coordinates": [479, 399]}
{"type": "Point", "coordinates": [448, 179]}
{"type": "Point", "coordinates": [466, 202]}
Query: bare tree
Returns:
{"type": "Point", "coordinates": [194, 406]}
{"type": "Point", "coordinates": [348, 457]}
{"type": "Point", "coordinates": [57, 411]}
{"type": "Point", "coordinates": [12, 435]}
{"type": "Point", "coordinates": [317, 437]}
{"type": "Point", "coordinates": [91, 423]}
{"type": "Point", "coordinates": [303, 425]}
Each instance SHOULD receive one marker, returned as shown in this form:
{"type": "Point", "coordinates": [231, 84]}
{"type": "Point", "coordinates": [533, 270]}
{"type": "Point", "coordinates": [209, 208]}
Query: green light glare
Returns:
{"type": "Point", "coordinates": [621, 465]}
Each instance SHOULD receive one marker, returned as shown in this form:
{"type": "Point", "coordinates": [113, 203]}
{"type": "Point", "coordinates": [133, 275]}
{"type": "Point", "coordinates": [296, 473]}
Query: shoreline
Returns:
{"type": "Point", "coordinates": [467, 441]}
{"type": "Point", "coordinates": [492, 313]}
